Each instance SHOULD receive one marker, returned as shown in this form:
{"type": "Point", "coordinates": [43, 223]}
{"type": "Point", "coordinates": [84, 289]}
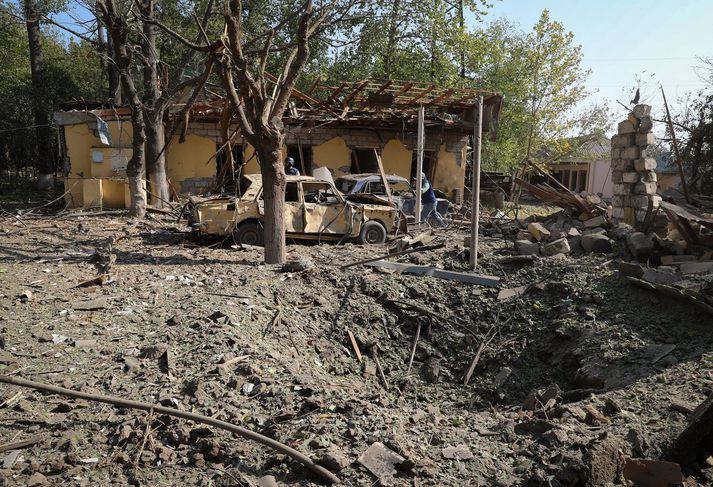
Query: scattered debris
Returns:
{"type": "Point", "coordinates": [382, 462]}
{"type": "Point", "coordinates": [440, 273]}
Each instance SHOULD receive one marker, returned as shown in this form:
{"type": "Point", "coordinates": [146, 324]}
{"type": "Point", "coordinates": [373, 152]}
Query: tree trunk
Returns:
{"type": "Point", "coordinates": [391, 42]}
{"type": "Point", "coordinates": [461, 24]}
{"type": "Point", "coordinates": [44, 162]}
{"type": "Point", "coordinates": [273, 184]}
{"type": "Point", "coordinates": [156, 159]}
{"type": "Point", "coordinates": [153, 110]}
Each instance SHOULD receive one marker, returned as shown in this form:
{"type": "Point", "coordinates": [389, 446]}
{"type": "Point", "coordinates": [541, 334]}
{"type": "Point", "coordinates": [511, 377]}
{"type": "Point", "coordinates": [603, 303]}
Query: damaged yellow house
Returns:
{"type": "Point", "coordinates": [343, 130]}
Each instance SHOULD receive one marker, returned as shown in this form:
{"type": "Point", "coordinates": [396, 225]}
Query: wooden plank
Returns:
{"type": "Point", "coordinates": [440, 98]}
{"type": "Point", "coordinates": [403, 90]}
{"type": "Point", "coordinates": [421, 95]}
{"type": "Point", "coordinates": [424, 270]}
{"type": "Point", "coordinates": [424, 248]}
{"type": "Point", "coordinates": [353, 341]}
{"type": "Point", "coordinates": [475, 190]}
{"type": "Point", "coordinates": [377, 92]}
{"type": "Point", "coordinates": [387, 187]}
{"type": "Point", "coordinates": [335, 93]}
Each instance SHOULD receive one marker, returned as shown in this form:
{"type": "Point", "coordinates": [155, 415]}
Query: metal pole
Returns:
{"type": "Point", "coordinates": [475, 193]}
{"type": "Point", "coordinates": [675, 149]}
{"type": "Point", "coordinates": [419, 163]}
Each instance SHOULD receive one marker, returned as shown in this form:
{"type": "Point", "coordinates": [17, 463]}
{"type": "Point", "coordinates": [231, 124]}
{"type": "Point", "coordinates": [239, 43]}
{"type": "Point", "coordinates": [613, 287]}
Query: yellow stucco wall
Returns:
{"type": "Point", "coordinates": [333, 154]}
{"type": "Point", "coordinates": [192, 159]}
{"type": "Point", "coordinates": [81, 141]}
{"type": "Point", "coordinates": [397, 158]}
{"type": "Point", "coordinates": [449, 175]}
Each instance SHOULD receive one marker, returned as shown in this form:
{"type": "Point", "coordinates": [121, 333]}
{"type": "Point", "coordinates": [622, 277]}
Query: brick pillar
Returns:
{"type": "Point", "coordinates": [633, 167]}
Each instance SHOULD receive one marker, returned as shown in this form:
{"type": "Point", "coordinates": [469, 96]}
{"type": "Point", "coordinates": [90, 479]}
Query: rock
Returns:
{"type": "Point", "coordinates": [538, 231]}
{"type": "Point", "coordinates": [640, 111]}
{"type": "Point", "coordinates": [459, 452]}
{"type": "Point", "coordinates": [631, 269]}
{"type": "Point", "coordinates": [596, 242]}
{"type": "Point", "coordinates": [502, 377]}
{"type": "Point", "coordinates": [559, 246]}
{"type": "Point", "coordinates": [621, 231]}
{"type": "Point", "coordinates": [652, 473]}
{"type": "Point", "coordinates": [37, 479]}
{"type": "Point", "coordinates": [131, 364]}
{"type": "Point", "coordinates": [645, 188]}
{"type": "Point", "coordinates": [382, 462]}
{"type": "Point", "coordinates": [661, 276]}
{"type": "Point", "coordinates": [153, 352]}
{"type": "Point", "coordinates": [25, 296]}
{"type": "Point", "coordinates": [432, 371]}
{"type": "Point", "coordinates": [603, 461]}
{"type": "Point", "coordinates": [525, 247]}
{"type": "Point", "coordinates": [625, 127]}
{"type": "Point", "coordinates": [83, 343]}
{"type": "Point", "coordinates": [640, 245]}
{"type": "Point", "coordinates": [174, 320]}
{"type": "Point", "coordinates": [597, 221]}
{"type": "Point", "coordinates": [298, 265]}
{"type": "Point", "coordinates": [267, 481]}
{"type": "Point", "coordinates": [331, 458]}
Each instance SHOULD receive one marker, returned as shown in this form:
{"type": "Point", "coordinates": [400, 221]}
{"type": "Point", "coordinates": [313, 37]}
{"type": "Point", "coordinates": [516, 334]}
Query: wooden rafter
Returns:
{"type": "Point", "coordinates": [446, 94]}
{"type": "Point", "coordinates": [421, 95]}
{"type": "Point", "coordinates": [381, 89]}
{"type": "Point", "coordinates": [335, 93]}
{"type": "Point", "coordinates": [354, 93]}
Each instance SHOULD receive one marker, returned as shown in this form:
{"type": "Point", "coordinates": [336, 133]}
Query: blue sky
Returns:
{"type": "Point", "coordinates": [620, 39]}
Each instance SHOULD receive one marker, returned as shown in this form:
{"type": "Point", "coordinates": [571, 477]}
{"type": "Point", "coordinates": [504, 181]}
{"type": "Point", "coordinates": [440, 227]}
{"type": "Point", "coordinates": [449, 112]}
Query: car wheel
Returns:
{"type": "Point", "coordinates": [372, 232]}
{"type": "Point", "coordinates": [249, 233]}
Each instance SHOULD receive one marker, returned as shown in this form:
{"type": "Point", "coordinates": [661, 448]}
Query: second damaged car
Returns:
{"type": "Point", "coordinates": [314, 209]}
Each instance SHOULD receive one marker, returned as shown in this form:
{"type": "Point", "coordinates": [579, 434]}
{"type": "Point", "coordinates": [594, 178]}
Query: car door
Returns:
{"type": "Point", "coordinates": [325, 211]}
{"type": "Point", "coordinates": [294, 209]}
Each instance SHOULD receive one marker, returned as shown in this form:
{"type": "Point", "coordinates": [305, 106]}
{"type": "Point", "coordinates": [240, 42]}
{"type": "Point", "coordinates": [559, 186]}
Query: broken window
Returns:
{"type": "Point", "coordinates": [320, 193]}
{"type": "Point", "coordinates": [302, 154]}
{"type": "Point", "coordinates": [364, 161]}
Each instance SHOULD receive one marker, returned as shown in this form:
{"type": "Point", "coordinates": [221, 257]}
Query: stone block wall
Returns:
{"type": "Point", "coordinates": [633, 167]}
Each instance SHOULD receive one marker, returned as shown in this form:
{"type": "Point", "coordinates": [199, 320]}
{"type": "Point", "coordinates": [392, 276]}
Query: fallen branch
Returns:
{"type": "Point", "coordinates": [21, 444]}
{"type": "Point", "coordinates": [125, 403]}
{"type": "Point", "coordinates": [395, 254]}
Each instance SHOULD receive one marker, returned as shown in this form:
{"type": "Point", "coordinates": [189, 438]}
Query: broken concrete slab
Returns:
{"type": "Point", "coordinates": [382, 462]}
{"type": "Point", "coordinates": [526, 247]}
{"type": "Point", "coordinates": [652, 473]}
{"type": "Point", "coordinates": [640, 245]}
{"type": "Point", "coordinates": [597, 221]}
{"type": "Point", "coordinates": [538, 231]}
{"type": "Point", "coordinates": [596, 242]}
{"type": "Point", "coordinates": [559, 246]}
{"type": "Point", "coordinates": [458, 452]}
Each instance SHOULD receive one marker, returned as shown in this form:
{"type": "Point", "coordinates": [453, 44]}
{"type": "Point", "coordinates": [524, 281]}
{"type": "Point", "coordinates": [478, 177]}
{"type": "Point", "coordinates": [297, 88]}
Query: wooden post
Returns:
{"type": "Point", "coordinates": [419, 163]}
{"type": "Point", "coordinates": [387, 188]}
{"type": "Point", "coordinates": [302, 156]}
{"type": "Point", "coordinates": [475, 194]}
{"type": "Point", "coordinates": [675, 149]}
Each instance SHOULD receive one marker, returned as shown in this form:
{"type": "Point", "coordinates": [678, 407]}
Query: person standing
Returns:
{"type": "Point", "coordinates": [429, 202]}
{"type": "Point", "coordinates": [290, 168]}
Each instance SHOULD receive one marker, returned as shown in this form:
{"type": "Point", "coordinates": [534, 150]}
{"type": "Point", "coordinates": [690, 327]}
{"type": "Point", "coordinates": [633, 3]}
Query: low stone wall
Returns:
{"type": "Point", "coordinates": [633, 167]}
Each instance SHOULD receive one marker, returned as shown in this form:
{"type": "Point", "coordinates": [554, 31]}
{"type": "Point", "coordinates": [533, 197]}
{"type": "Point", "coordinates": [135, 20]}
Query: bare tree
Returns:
{"type": "Point", "coordinates": [45, 161]}
{"type": "Point", "coordinates": [258, 100]}
{"type": "Point", "coordinates": [118, 29]}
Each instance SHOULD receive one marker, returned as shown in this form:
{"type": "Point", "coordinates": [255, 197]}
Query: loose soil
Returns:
{"type": "Point", "coordinates": [612, 358]}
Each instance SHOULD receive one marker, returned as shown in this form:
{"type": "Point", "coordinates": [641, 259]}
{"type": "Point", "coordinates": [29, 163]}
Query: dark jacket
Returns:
{"type": "Point", "coordinates": [292, 171]}
{"type": "Point", "coordinates": [427, 195]}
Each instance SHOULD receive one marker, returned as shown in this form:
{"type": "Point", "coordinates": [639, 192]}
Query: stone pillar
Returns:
{"type": "Point", "coordinates": [633, 167]}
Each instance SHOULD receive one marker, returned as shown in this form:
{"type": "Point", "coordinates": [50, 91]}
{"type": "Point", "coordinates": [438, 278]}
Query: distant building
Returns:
{"type": "Point", "coordinates": [666, 173]}
{"type": "Point", "coordinates": [588, 169]}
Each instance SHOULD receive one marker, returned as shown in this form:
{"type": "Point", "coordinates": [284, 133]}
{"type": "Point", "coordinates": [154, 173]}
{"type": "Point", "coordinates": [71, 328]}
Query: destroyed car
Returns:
{"type": "Point", "coordinates": [401, 191]}
{"type": "Point", "coordinates": [314, 209]}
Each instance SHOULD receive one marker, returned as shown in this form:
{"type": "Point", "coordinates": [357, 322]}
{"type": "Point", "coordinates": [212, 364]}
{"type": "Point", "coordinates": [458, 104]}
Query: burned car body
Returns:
{"type": "Point", "coordinates": [401, 191]}
{"type": "Point", "coordinates": [314, 209]}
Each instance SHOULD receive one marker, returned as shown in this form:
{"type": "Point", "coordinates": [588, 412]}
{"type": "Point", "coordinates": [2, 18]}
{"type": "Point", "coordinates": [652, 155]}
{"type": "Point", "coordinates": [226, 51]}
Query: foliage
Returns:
{"type": "Point", "coordinates": [71, 70]}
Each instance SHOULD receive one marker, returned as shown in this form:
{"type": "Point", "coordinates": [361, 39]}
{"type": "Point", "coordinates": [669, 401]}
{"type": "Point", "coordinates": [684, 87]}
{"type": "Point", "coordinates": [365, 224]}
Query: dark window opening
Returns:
{"type": "Point", "coordinates": [582, 186]}
{"type": "Point", "coordinates": [429, 164]}
{"type": "Point", "coordinates": [364, 161]}
{"type": "Point", "coordinates": [292, 193]}
{"type": "Point", "coordinates": [305, 167]}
